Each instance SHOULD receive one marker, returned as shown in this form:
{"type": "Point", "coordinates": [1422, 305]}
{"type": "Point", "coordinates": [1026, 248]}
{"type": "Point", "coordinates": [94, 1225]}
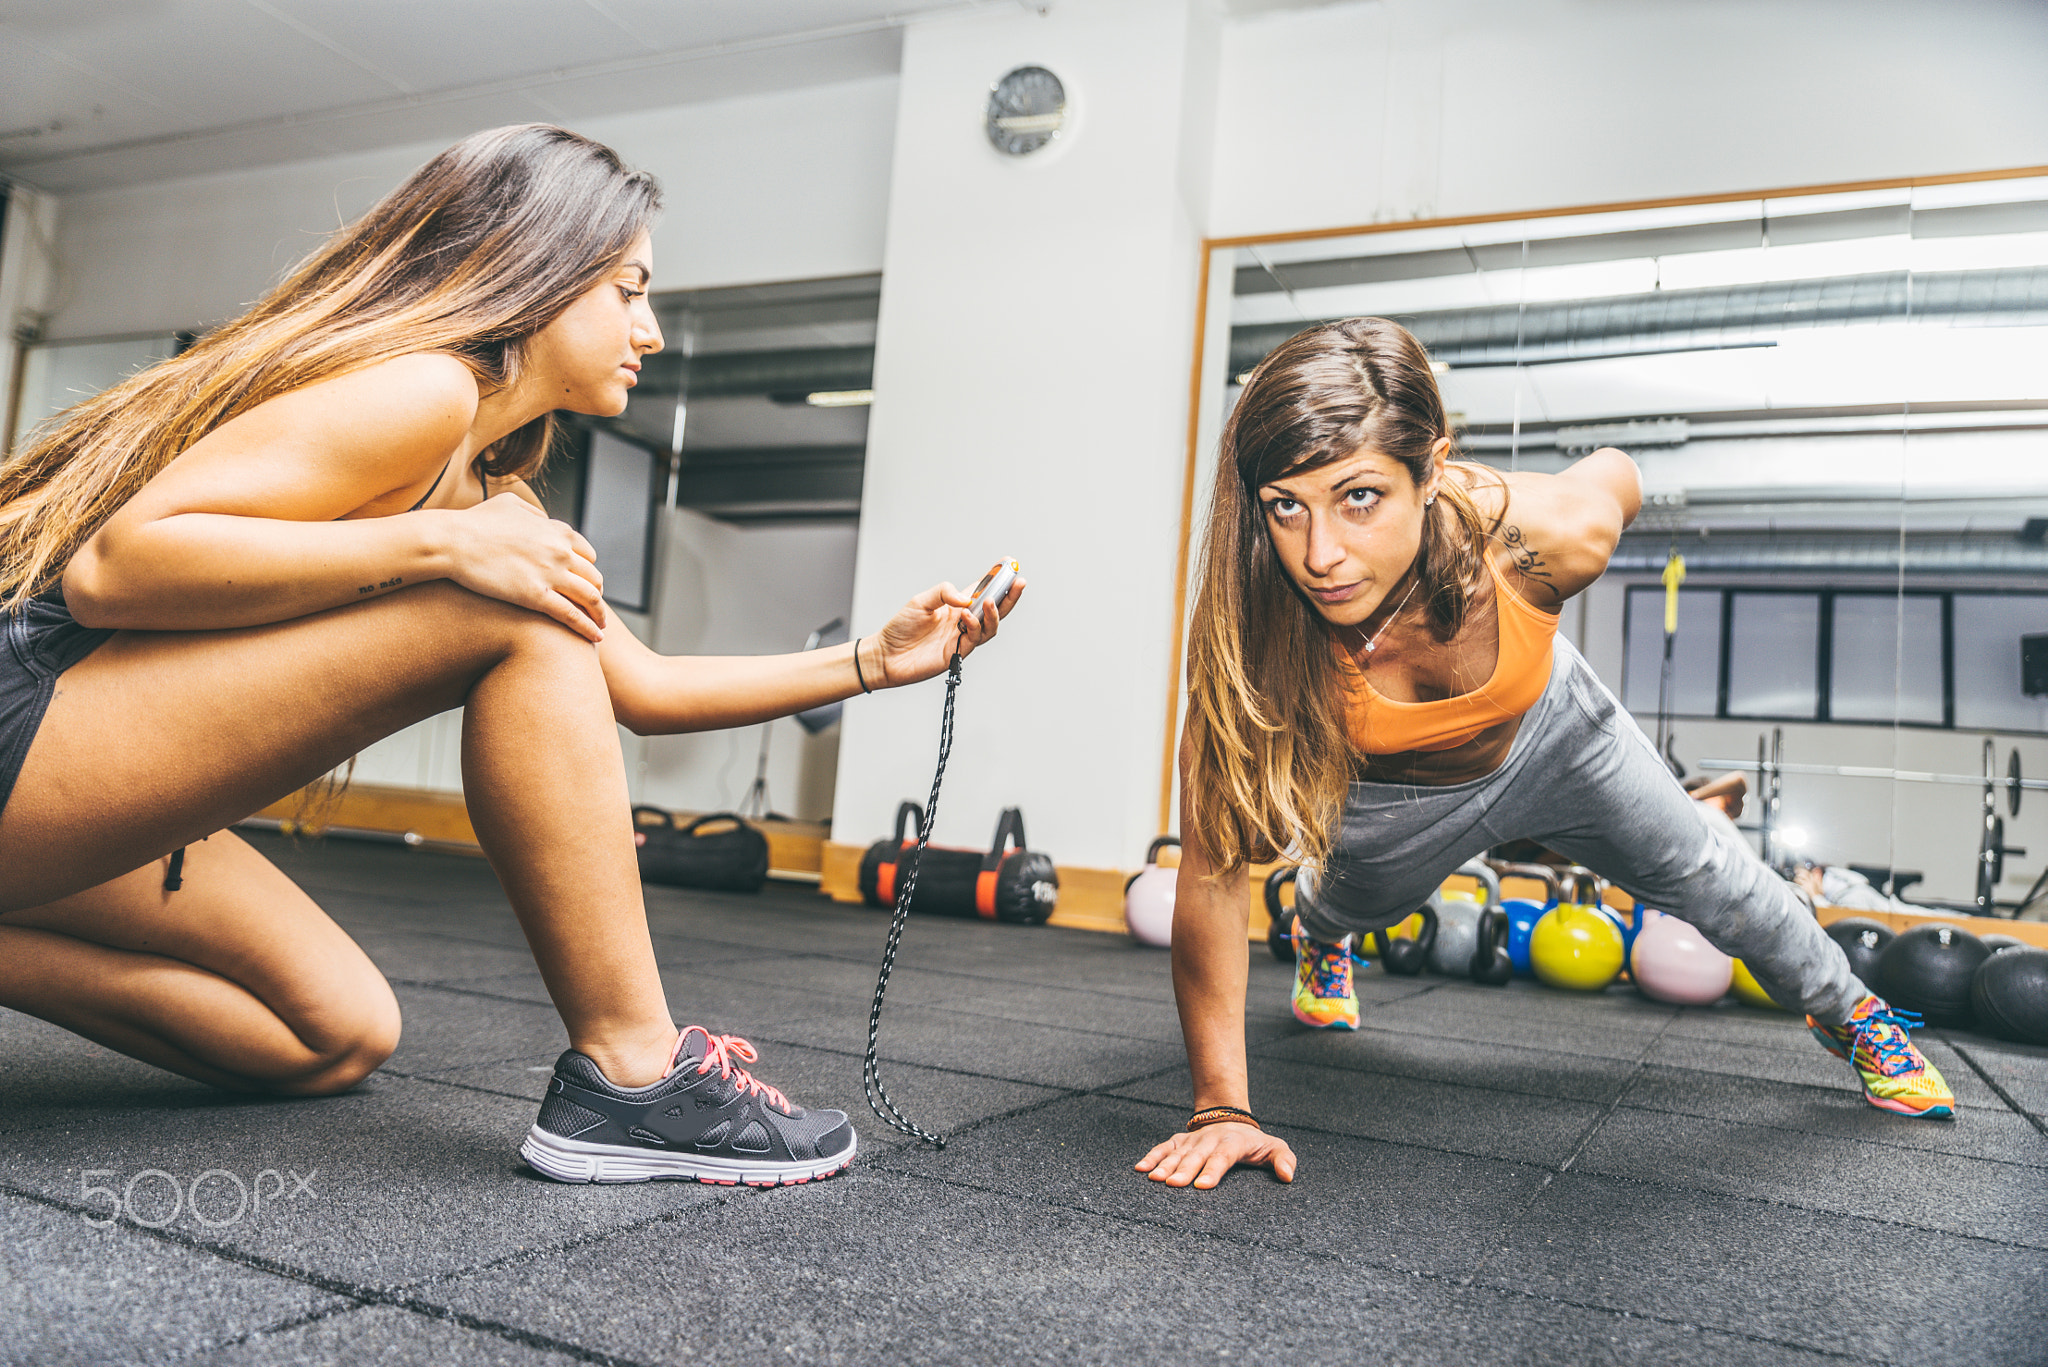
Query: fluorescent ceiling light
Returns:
{"type": "Point", "coordinates": [840, 398]}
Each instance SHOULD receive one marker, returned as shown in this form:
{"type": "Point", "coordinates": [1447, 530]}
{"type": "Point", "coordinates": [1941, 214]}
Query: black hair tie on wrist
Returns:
{"type": "Point", "coordinates": [857, 674]}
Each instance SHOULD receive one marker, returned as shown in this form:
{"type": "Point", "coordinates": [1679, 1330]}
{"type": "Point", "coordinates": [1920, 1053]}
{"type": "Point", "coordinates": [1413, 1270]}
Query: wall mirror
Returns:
{"type": "Point", "coordinates": [1839, 402]}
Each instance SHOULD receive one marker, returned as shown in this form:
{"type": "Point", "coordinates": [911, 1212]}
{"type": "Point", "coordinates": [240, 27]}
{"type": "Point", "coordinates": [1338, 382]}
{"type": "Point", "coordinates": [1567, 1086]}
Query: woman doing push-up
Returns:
{"type": "Point", "coordinates": [224, 576]}
{"type": "Point", "coordinates": [1376, 687]}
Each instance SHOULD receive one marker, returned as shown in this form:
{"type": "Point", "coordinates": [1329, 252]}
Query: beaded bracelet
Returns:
{"type": "Point", "coordinates": [1222, 1115]}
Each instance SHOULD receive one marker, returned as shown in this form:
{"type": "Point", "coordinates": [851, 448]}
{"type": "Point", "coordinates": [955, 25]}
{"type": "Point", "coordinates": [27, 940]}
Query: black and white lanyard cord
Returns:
{"type": "Point", "coordinates": [906, 886]}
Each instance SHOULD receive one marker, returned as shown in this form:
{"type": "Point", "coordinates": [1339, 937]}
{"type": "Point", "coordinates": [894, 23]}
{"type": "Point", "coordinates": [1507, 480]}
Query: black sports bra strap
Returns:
{"type": "Point", "coordinates": [430, 491]}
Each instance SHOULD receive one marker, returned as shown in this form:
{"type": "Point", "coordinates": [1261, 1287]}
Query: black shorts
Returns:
{"type": "Point", "coordinates": [41, 642]}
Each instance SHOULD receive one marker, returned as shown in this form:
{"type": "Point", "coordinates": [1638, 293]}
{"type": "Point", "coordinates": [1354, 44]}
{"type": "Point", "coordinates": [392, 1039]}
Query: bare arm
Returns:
{"type": "Point", "coordinates": [1559, 531]}
{"type": "Point", "coordinates": [277, 514]}
{"type": "Point", "coordinates": [661, 695]}
{"type": "Point", "coordinates": [1211, 970]}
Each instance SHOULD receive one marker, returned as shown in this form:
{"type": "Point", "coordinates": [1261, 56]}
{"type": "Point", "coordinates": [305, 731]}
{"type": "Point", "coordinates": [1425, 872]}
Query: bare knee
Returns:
{"type": "Point", "coordinates": [349, 1050]}
{"type": "Point", "coordinates": [495, 625]}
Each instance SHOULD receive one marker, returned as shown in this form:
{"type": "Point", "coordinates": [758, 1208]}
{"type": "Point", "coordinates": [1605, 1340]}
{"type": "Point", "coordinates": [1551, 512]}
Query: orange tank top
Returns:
{"type": "Point", "coordinates": [1381, 726]}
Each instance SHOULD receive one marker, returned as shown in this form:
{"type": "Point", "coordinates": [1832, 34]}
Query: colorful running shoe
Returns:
{"type": "Point", "coordinates": [1877, 1042]}
{"type": "Point", "coordinates": [1323, 995]}
{"type": "Point", "coordinates": [709, 1120]}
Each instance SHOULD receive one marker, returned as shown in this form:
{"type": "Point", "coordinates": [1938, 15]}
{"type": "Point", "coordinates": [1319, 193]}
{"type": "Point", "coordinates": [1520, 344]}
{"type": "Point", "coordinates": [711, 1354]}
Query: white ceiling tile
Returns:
{"type": "Point", "coordinates": [151, 89]}
{"type": "Point", "coordinates": [213, 62]}
{"type": "Point", "coordinates": [746, 73]}
{"type": "Point", "coordinates": [671, 24]}
{"type": "Point", "coordinates": [452, 43]}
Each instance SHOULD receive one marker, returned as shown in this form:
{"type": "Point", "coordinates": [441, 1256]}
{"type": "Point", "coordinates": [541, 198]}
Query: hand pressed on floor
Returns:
{"type": "Point", "coordinates": [1203, 1156]}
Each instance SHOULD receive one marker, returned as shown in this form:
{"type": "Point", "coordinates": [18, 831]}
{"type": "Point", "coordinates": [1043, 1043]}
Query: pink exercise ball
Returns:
{"type": "Point", "coordinates": [1674, 963]}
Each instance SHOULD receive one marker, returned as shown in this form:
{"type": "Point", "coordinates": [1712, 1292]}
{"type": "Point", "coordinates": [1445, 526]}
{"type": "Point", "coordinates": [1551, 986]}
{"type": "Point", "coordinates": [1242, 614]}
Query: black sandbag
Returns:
{"type": "Point", "coordinates": [1003, 883]}
{"type": "Point", "coordinates": [718, 851]}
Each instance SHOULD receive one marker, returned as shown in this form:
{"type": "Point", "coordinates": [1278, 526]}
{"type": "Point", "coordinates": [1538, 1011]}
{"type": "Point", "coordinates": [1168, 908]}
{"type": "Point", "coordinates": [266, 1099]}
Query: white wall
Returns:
{"type": "Point", "coordinates": [1031, 394]}
{"type": "Point", "coordinates": [790, 185]}
{"type": "Point", "coordinates": [1399, 109]}
{"type": "Point", "coordinates": [28, 281]}
{"type": "Point", "coordinates": [731, 590]}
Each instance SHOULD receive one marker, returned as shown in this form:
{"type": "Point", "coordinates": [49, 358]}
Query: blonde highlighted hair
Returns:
{"type": "Point", "coordinates": [476, 252]}
{"type": "Point", "coordinates": [1269, 762]}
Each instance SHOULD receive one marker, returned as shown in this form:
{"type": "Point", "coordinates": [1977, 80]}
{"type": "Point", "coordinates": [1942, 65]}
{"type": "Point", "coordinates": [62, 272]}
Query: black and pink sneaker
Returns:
{"type": "Point", "coordinates": [709, 1120]}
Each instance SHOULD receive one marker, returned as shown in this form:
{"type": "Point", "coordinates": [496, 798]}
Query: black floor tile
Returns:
{"type": "Point", "coordinates": [1504, 1067]}
{"type": "Point", "coordinates": [388, 1337]}
{"type": "Point", "coordinates": [428, 956]}
{"type": "Point", "coordinates": [2020, 1070]}
{"type": "Point", "coordinates": [71, 1292]}
{"type": "Point", "coordinates": [1836, 1111]}
{"type": "Point", "coordinates": [1052, 1056]}
{"type": "Point", "coordinates": [1725, 1185]}
{"type": "Point", "coordinates": [404, 1179]}
{"type": "Point", "coordinates": [1387, 1205]}
{"type": "Point", "coordinates": [1439, 1016]}
{"type": "Point", "coordinates": [1514, 1126]}
{"type": "Point", "coordinates": [879, 1268]}
{"type": "Point", "coordinates": [1823, 1172]}
{"type": "Point", "coordinates": [1812, 1066]}
{"type": "Point", "coordinates": [1871, 1291]}
{"type": "Point", "coordinates": [49, 1076]}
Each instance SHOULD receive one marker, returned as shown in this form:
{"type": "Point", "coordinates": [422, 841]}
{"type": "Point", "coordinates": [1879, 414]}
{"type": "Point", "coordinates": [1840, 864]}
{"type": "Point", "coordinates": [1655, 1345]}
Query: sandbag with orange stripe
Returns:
{"type": "Point", "coordinates": [1007, 882]}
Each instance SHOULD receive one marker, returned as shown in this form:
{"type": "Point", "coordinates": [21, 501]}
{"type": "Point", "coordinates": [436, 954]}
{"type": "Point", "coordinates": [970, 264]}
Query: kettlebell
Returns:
{"type": "Point", "coordinates": [1404, 956]}
{"type": "Point", "coordinates": [1280, 934]}
{"type": "Point", "coordinates": [1588, 890]}
{"type": "Point", "coordinates": [1148, 897]}
{"type": "Point", "coordinates": [1461, 947]}
{"type": "Point", "coordinates": [1523, 913]}
{"type": "Point", "coordinates": [1672, 962]}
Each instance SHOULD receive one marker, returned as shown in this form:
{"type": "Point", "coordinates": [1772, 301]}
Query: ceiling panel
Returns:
{"type": "Point", "coordinates": [725, 76]}
{"type": "Point", "coordinates": [187, 64]}
{"type": "Point", "coordinates": [122, 91]}
{"type": "Point", "coordinates": [670, 24]}
{"type": "Point", "coordinates": [462, 42]}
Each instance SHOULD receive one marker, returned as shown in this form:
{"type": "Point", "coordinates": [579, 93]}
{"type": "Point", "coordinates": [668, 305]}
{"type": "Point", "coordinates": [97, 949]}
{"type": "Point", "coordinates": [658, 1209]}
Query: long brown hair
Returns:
{"type": "Point", "coordinates": [1269, 759]}
{"type": "Point", "coordinates": [479, 250]}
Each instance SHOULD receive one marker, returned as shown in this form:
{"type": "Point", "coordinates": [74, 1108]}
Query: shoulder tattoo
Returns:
{"type": "Point", "coordinates": [1528, 560]}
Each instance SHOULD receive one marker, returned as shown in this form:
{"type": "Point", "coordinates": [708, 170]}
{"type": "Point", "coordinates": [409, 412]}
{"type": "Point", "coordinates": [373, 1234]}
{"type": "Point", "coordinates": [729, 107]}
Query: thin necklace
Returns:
{"type": "Point", "coordinates": [1372, 642]}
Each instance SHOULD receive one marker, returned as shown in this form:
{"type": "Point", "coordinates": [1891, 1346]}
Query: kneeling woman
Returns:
{"type": "Point", "coordinates": [224, 576]}
{"type": "Point", "coordinates": [1376, 687]}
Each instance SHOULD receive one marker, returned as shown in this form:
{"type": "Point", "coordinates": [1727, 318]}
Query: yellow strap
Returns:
{"type": "Point", "coordinates": [1674, 575]}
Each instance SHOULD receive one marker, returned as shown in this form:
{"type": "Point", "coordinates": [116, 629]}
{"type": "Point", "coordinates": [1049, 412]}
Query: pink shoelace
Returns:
{"type": "Point", "coordinates": [719, 1053]}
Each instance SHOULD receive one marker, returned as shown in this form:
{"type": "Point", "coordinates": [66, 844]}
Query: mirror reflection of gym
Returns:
{"type": "Point", "coordinates": [1836, 401]}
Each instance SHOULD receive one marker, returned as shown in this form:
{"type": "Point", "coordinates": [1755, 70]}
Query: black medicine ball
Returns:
{"type": "Point", "coordinates": [1862, 940]}
{"type": "Point", "coordinates": [1928, 969]}
{"type": "Point", "coordinates": [2010, 994]}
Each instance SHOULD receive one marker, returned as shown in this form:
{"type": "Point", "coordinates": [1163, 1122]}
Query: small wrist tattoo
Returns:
{"type": "Point", "coordinates": [391, 583]}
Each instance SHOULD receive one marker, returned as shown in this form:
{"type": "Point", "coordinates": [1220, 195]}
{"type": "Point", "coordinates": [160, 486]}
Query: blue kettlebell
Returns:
{"type": "Point", "coordinates": [1524, 912]}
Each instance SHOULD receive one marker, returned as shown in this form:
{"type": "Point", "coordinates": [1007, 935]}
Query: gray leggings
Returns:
{"type": "Point", "coordinates": [1583, 779]}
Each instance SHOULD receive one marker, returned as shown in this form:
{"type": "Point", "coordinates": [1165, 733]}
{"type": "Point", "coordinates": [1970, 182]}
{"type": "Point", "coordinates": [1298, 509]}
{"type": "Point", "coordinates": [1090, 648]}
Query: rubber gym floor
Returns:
{"type": "Point", "coordinates": [1487, 1175]}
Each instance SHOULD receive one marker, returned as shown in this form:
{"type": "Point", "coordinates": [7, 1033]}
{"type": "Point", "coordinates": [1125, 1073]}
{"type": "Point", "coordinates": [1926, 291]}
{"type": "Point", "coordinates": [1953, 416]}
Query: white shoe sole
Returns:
{"type": "Point", "coordinates": [576, 1160]}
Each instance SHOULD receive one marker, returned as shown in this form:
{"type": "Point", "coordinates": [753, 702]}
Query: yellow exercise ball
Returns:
{"type": "Point", "coordinates": [1745, 986]}
{"type": "Point", "coordinates": [1576, 947]}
